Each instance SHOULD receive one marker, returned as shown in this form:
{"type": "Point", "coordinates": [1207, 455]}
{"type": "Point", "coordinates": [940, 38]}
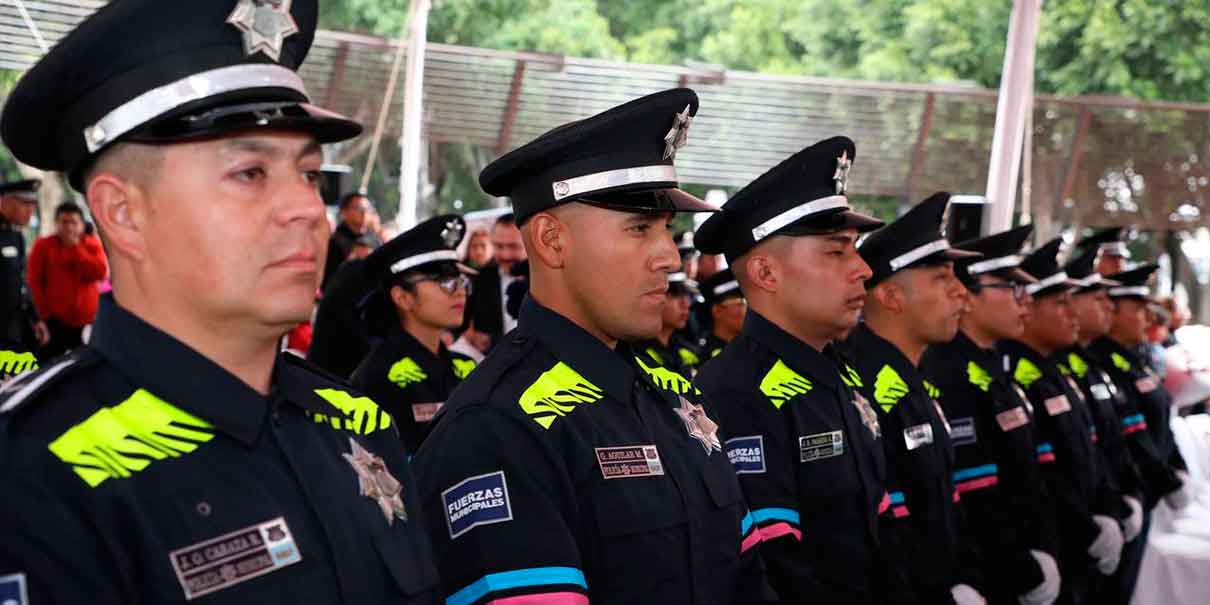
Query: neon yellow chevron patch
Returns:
{"type": "Point", "coordinates": [1077, 364]}
{"type": "Point", "coordinates": [978, 376]}
{"type": "Point", "coordinates": [405, 372]}
{"type": "Point", "coordinates": [1026, 373]}
{"type": "Point", "coordinates": [688, 357]}
{"type": "Point", "coordinates": [667, 379]}
{"type": "Point", "coordinates": [118, 441]}
{"type": "Point", "coordinates": [13, 363]}
{"type": "Point", "coordinates": [361, 415]}
{"type": "Point", "coordinates": [889, 388]}
{"type": "Point", "coordinates": [850, 376]}
{"type": "Point", "coordinates": [556, 393]}
{"type": "Point", "coordinates": [933, 391]}
{"type": "Point", "coordinates": [463, 367]}
{"type": "Point", "coordinates": [781, 384]}
{"type": "Point", "coordinates": [1120, 362]}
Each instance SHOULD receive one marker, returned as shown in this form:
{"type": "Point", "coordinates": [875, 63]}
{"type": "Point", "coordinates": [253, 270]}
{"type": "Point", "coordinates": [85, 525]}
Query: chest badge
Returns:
{"type": "Point", "coordinates": [700, 426]}
{"type": "Point", "coordinates": [868, 416]}
{"type": "Point", "coordinates": [377, 483]}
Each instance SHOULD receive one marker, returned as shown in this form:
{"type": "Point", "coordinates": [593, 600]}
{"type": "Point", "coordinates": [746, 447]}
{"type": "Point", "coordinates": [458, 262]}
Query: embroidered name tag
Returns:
{"type": "Point", "coordinates": [233, 558]}
{"type": "Point", "coordinates": [962, 431]}
{"type": "Point", "coordinates": [1012, 419]}
{"type": "Point", "coordinates": [1057, 405]}
{"type": "Point", "coordinates": [424, 412]}
{"type": "Point", "coordinates": [917, 436]}
{"type": "Point", "coordinates": [475, 501]}
{"type": "Point", "coordinates": [629, 461]}
{"type": "Point", "coordinates": [1146, 384]}
{"type": "Point", "coordinates": [820, 446]}
{"type": "Point", "coordinates": [747, 454]}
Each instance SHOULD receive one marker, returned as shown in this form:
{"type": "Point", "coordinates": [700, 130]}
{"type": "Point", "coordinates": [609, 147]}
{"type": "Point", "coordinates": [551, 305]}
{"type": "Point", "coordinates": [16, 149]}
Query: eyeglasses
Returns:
{"type": "Point", "coordinates": [1018, 289]}
{"type": "Point", "coordinates": [448, 283]}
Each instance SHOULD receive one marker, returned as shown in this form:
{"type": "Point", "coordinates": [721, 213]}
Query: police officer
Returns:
{"type": "Point", "coordinates": [1086, 514]}
{"type": "Point", "coordinates": [1109, 247]}
{"type": "Point", "coordinates": [565, 469]}
{"type": "Point", "coordinates": [20, 329]}
{"type": "Point", "coordinates": [725, 303]}
{"type": "Point", "coordinates": [1093, 311]}
{"type": "Point", "coordinates": [805, 445]}
{"type": "Point", "coordinates": [180, 455]}
{"type": "Point", "coordinates": [913, 301]}
{"type": "Point", "coordinates": [670, 348]}
{"type": "Point", "coordinates": [410, 373]}
{"type": "Point", "coordinates": [996, 474]}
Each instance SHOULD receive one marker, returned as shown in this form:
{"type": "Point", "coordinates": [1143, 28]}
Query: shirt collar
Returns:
{"type": "Point", "coordinates": [877, 351]}
{"type": "Point", "coordinates": [791, 350]}
{"type": "Point", "coordinates": [1018, 349]}
{"type": "Point", "coordinates": [610, 370]}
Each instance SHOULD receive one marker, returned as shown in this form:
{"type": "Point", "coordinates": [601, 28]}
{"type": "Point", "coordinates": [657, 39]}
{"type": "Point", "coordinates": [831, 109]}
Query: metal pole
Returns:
{"type": "Point", "coordinates": [1015, 101]}
{"type": "Point", "coordinates": [413, 85]}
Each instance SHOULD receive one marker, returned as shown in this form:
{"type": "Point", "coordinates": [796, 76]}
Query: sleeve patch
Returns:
{"type": "Point", "coordinates": [747, 454]}
{"type": "Point", "coordinates": [475, 501]}
{"type": "Point", "coordinates": [13, 589]}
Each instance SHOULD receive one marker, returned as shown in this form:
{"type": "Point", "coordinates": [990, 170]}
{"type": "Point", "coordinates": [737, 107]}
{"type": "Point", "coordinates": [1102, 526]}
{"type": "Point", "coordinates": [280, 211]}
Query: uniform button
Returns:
{"type": "Point", "coordinates": [203, 509]}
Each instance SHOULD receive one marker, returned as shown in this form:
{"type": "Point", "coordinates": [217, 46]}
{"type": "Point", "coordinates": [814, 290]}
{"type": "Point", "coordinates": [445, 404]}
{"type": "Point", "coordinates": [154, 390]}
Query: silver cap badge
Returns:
{"type": "Point", "coordinates": [699, 425]}
{"type": "Point", "coordinates": [452, 234]}
{"type": "Point", "coordinates": [376, 482]}
{"type": "Point", "coordinates": [678, 135]}
{"type": "Point", "coordinates": [265, 24]}
{"type": "Point", "coordinates": [843, 163]}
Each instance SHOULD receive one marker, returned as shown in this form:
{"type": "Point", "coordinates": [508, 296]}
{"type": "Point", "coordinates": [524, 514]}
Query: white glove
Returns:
{"type": "Point", "coordinates": [1107, 548]}
{"type": "Point", "coordinates": [1046, 592]}
{"type": "Point", "coordinates": [964, 594]}
{"type": "Point", "coordinates": [1180, 497]}
{"type": "Point", "coordinates": [1132, 525]}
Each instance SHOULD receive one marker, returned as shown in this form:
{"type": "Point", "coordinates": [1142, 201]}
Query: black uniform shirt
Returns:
{"type": "Point", "coordinates": [997, 473]}
{"type": "Point", "coordinates": [137, 471]}
{"type": "Point", "coordinates": [410, 382]}
{"type": "Point", "coordinates": [807, 450]}
{"type": "Point", "coordinates": [710, 346]}
{"type": "Point", "coordinates": [680, 355]}
{"type": "Point", "coordinates": [559, 471]}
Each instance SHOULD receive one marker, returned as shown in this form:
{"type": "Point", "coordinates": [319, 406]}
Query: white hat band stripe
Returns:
{"type": "Point", "coordinates": [994, 264]}
{"type": "Point", "coordinates": [660, 173]}
{"type": "Point", "coordinates": [771, 226]}
{"type": "Point", "coordinates": [158, 101]}
{"type": "Point", "coordinates": [404, 264]}
{"type": "Point", "coordinates": [677, 277]}
{"type": "Point", "coordinates": [1130, 291]}
{"type": "Point", "coordinates": [1042, 284]}
{"type": "Point", "coordinates": [918, 253]}
{"type": "Point", "coordinates": [725, 287]}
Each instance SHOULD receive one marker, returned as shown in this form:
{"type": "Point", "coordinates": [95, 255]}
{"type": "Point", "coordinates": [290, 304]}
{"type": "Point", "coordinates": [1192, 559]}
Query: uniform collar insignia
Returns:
{"type": "Point", "coordinates": [376, 482]}
{"type": "Point", "coordinates": [265, 24]}
{"type": "Point", "coordinates": [678, 135]}
{"type": "Point", "coordinates": [699, 425]}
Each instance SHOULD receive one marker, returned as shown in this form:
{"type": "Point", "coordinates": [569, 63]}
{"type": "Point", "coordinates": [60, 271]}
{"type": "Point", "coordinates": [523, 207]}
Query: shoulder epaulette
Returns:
{"type": "Point", "coordinates": [850, 376]}
{"type": "Point", "coordinates": [25, 388]}
{"type": "Point", "coordinates": [1120, 361]}
{"type": "Point", "coordinates": [1077, 364]}
{"type": "Point", "coordinates": [463, 366]}
{"type": "Point", "coordinates": [406, 372]}
{"type": "Point", "coordinates": [781, 384]}
{"type": "Point", "coordinates": [931, 389]}
{"type": "Point", "coordinates": [1026, 372]}
{"type": "Point", "coordinates": [978, 376]}
{"type": "Point", "coordinates": [889, 388]}
{"type": "Point", "coordinates": [667, 379]}
{"type": "Point", "coordinates": [558, 392]}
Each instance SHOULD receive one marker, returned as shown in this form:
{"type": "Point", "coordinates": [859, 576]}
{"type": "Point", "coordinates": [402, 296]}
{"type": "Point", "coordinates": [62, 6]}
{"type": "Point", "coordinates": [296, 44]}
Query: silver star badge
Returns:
{"type": "Point", "coordinates": [678, 135]}
{"type": "Point", "coordinates": [699, 425]}
{"type": "Point", "coordinates": [451, 234]}
{"type": "Point", "coordinates": [843, 163]}
{"type": "Point", "coordinates": [265, 24]}
{"type": "Point", "coordinates": [868, 416]}
{"type": "Point", "coordinates": [376, 482]}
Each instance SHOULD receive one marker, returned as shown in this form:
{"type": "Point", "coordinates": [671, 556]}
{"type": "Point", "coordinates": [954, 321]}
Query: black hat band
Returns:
{"type": "Point", "coordinates": [159, 101]}
{"type": "Point", "coordinates": [776, 223]}
{"type": "Point", "coordinates": [1123, 291]}
{"type": "Point", "coordinates": [918, 253]}
{"type": "Point", "coordinates": [1047, 282]}
{"type": "Point", "coordinates": [610, 179]}
{"type": "Point", "coordinates": [994, 264]}
{"type": "Point", "coordinates": [404, 264]}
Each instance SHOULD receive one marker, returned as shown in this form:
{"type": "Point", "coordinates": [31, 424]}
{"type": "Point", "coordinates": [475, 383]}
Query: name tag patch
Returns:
{"type": "Point", "coordinates": [475, 501]}
{"type": "Point", "coordinates": [233, 558]}
{"type": "Point", "coordinates": [1058, 405]}
{"type": "Point", "coordinates": [629, 461]}
{"type": "Point", "coordinates": [917, 436]}
{"type": "Point", "coordinates": [424, 412]}
{"type": "Point", "coordinates": [1145, 385]}
{"type": "Point", "coordinates": [747, 454]}
{"type": "Point", "coordinates": [820, 446]}
{"type": "Point", "coordinates": [962, 431]}
{"type": "Point", "coordinates": [1012, 419]}
{"type": "Point", "coordinates": [12, 589]}
{"type": "Point", "coordinates": [1100, 391]}
{"type": "Point", "coordinates": [9, 252]}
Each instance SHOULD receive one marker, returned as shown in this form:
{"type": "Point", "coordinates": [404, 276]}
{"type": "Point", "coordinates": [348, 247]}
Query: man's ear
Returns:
{"type": "Point", "coordinates": [120, 209]}
{"type": "Point", "coordinates": [547, 239]}
{"type": "Point", "coordinates": [762, 270]}
{"type": "Point", "coordinates": [890, 296]}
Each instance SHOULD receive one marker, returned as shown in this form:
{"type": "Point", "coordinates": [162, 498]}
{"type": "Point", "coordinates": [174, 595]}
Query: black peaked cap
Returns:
{"type": "Point", "coordinates": [431, 245]}
{"type": "Point", "coordinates": [1001, 255]}
{"type": "Point", "coordinates": [912, 240]}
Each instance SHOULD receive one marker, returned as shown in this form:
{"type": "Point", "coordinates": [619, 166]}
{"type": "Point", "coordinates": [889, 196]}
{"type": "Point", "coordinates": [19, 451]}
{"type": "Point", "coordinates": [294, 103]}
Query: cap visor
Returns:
{"type": "Point", "coordinates": [686, 202]}
{"type": "Point", "coordinates": [1018, 274]}
{"type": "Point", "coordinates": [467, 269]}
{"type": "Point", "coordinates": [959, 254]}
{"type": "Point", "coordinates": [326, 126]}
{"type": "Point", "coordinates": [831, 222]}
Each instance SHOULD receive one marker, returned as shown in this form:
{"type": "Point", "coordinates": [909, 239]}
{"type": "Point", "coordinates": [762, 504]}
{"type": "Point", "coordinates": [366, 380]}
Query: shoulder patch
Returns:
{"type": "Point", "coordinates": [463, 367]}
{"type": "Point", "coordinates": [1119, 361]}
{"type": "Point", "coordinates": [688, 357]}
{"type": "Point", "coordinates": [25, 388]}
{"type": "Point", "coordinates": [932, 390]}
{"type": "Point", "coordinates": [1077, 364]}
{"type": "Point", "coordinates": [556, 393]}
{"type": "Point", "coordinates": [977, 376]}
{"type": "Point", "coordinates": [406, 372]}
{"type": "Point", "coordinates": [667, 379]}
{"type": "Point", "coordinates": [361, 415]}
{"type": "Point", "coordinates": [889, 388]}
{"type": "Point", "coordinates": [14, 363]}
{"type": "Point", "coordinates": [781, 384]}
{"type": "Point", "coordinates": [1026, 372]}
{"type": "Point", "coordinates": [116, 442]}
{"type": "Point", "coordinates": [850, 376]}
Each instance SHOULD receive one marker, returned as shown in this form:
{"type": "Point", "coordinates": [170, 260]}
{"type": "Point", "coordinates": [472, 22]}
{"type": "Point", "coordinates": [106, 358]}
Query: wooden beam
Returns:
{"type": "Point", "coordinates": [338, 74]}
{"type": "Point", "coordinates": [510, 110]}
{"type": "Point", "coordinates": [918, 153]}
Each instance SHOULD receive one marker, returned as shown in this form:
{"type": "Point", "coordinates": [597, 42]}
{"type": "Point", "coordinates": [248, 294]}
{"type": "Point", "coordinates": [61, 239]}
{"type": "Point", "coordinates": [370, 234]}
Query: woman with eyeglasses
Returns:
{"type": "Point", "coordinates": [410, 372]}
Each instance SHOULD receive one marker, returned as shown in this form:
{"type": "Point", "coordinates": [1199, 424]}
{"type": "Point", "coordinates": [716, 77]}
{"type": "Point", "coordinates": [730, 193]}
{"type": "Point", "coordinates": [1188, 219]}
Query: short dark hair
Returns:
{"type": "Point", "coordinates": [68, 208]}
{"type": "Point", "coordinates": [348, 199]}
{"type": "Point", "coordinates": [506, 219]}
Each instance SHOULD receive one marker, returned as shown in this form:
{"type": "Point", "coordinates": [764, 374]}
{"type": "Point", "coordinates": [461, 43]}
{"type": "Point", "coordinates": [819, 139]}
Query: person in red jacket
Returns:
{"type": "Point", "coordinates": [64, 269]}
